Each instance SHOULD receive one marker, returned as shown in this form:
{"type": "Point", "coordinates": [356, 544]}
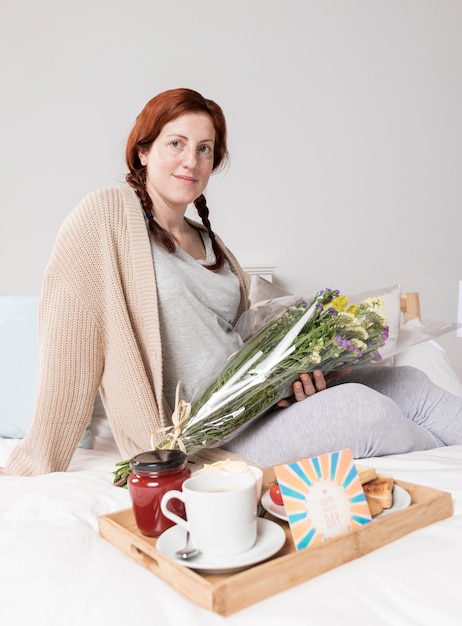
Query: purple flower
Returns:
{"type": "Point", "coordinates": [329, 294]}
{"type": "Point", "coordinates": [385, 335]}
{"type": "Point", "coordinates": [344, 343]}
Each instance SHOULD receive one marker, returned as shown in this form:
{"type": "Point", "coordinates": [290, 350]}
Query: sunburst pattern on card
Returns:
{"type": "Point", "coordinates": [323, 497]}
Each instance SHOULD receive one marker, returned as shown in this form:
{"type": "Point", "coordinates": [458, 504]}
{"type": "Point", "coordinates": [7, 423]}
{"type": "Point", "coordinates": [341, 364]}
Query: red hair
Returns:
{"type": "Point", "coordinates": [164, 108]}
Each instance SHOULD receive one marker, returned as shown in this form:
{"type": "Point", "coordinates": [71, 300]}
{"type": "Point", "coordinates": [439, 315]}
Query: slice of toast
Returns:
{"type": "Point", "coordinates": [381, 490]}
{"type": "Point", "coordinates": [365, 473]}
{"type": "Point", "coordinates": [374, 506]}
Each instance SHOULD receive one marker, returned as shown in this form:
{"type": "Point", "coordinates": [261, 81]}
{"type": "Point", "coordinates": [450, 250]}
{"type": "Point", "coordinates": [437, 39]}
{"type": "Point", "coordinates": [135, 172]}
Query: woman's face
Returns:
{"type": "Point", "coordinates": [180, 161]}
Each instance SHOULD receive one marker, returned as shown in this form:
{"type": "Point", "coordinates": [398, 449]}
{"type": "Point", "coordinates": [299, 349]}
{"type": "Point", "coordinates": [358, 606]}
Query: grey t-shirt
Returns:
{"type": "Point", "coordinates": [196, 309]}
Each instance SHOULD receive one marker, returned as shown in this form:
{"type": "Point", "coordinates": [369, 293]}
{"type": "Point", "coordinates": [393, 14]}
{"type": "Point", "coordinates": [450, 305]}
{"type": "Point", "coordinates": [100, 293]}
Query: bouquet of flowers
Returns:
{"type": "Point", "coordinates": [326, 334]}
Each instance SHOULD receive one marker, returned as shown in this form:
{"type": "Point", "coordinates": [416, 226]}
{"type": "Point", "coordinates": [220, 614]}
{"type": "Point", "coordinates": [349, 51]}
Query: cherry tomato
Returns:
{"type": "Point", "coordinates": [275, 495]}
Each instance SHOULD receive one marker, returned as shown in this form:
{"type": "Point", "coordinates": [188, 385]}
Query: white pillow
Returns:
{"type": "Point", "coordinates": [432, 359]}
{"type": "Point", "coordinates": [19, 366]}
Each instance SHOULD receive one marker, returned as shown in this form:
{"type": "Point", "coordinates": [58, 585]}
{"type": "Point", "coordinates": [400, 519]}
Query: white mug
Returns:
{"type": "Point", "coordinates": [221, 512]}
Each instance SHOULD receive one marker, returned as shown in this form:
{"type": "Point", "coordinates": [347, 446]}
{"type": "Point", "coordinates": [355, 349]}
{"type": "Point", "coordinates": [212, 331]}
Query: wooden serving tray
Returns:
{"type": "Point", "coordinates": [230, 592]}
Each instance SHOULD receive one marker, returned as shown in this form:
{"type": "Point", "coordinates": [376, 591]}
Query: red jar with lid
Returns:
{"type": "Point", "coordinates": [153, 474]}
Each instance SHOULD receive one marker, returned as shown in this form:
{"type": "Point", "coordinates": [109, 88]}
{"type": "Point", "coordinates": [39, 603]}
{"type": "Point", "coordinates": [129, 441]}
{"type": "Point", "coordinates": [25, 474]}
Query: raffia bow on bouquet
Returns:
{"type": "Point", "coordinates": [326, 334]}
{"type": "Point", "coordinates": [172, 439]}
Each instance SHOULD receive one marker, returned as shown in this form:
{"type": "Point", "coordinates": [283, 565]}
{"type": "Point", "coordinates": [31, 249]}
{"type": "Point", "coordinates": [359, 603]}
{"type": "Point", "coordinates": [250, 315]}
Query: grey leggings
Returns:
{"type": "Point", "coordinates": [373, 411]}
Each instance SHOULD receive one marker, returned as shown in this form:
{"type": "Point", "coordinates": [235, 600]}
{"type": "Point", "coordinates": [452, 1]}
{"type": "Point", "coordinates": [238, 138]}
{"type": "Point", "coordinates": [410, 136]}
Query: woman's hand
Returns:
{"type": "Point", "coordinates": [306, 386]}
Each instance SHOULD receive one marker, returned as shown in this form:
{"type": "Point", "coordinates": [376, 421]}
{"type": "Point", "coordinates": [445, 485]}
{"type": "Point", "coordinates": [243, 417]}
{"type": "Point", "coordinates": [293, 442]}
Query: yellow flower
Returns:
{"type": "Point", "coordinates": [339, 303]}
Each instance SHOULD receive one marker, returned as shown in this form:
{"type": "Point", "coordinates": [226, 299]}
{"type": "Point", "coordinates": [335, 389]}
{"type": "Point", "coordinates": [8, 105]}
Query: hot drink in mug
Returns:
{"type": "Point", "coordinates": [221, 511]}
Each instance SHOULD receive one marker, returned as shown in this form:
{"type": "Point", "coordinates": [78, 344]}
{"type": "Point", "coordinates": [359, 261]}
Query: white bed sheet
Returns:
{"type": "Point", "coordinates": [56, 569]}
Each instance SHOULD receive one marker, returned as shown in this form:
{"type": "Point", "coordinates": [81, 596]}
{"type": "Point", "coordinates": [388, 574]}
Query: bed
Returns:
{"type": "Point", "coordinates": [57, 569]}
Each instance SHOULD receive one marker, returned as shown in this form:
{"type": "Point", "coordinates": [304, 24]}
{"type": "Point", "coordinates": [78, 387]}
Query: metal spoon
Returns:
{"type": "Point", "coordinates": [188, 551]}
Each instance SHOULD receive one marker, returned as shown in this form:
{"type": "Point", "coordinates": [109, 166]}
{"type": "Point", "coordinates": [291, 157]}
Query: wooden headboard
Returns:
{"type": "Point", "coordinates": [410, 306]}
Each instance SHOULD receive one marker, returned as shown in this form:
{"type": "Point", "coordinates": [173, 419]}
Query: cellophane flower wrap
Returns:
{"type": "Point", "coordinates": [291, 336]}
{"type": "Point", "coordinates": [325, 334]}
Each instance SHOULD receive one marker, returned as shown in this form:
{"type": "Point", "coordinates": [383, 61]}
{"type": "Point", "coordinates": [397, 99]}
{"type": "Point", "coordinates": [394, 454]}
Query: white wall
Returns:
{"type": "Point", "coordinates": [344, 119]}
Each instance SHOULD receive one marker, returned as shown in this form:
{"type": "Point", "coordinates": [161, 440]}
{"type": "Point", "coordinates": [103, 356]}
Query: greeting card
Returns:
{"type": "Point", "coordinates": [323, 497]}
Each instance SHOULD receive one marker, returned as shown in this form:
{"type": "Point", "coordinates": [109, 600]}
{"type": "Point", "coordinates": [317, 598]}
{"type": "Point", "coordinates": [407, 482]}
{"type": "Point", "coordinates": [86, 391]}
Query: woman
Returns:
{"type": "Point", "coordinates": [137, 297]}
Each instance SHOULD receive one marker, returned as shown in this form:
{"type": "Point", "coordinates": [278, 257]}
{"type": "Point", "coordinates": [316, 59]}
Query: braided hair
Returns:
{"type": "Point", "coordinates": [201, 205]}
{"type": "Point", "coordinates": [157, 112]}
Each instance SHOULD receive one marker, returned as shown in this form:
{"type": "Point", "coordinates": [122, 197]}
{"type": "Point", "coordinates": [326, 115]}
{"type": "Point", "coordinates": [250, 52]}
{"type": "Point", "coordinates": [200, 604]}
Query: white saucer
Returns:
{"type": "Point", "coordinates": [401, 500]}
{"type": "Point", "coordinates": [270, 538]}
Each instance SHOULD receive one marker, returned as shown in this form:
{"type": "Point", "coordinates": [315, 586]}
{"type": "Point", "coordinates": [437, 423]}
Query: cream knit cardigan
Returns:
{"type": "Point", "coordinates": [99, 328]}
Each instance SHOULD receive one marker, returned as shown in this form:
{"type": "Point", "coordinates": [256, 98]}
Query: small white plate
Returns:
{"type": "Point", "coordinates": [270, 539]}
{"type": "Point", "coordinates": [277, 510]}
{"type": "Point", "coordinates": [401, 500]}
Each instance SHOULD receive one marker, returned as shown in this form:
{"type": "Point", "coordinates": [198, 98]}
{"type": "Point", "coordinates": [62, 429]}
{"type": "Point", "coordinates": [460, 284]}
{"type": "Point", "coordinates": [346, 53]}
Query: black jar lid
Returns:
{"type": "Point", "coordinates": [158, 460]}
